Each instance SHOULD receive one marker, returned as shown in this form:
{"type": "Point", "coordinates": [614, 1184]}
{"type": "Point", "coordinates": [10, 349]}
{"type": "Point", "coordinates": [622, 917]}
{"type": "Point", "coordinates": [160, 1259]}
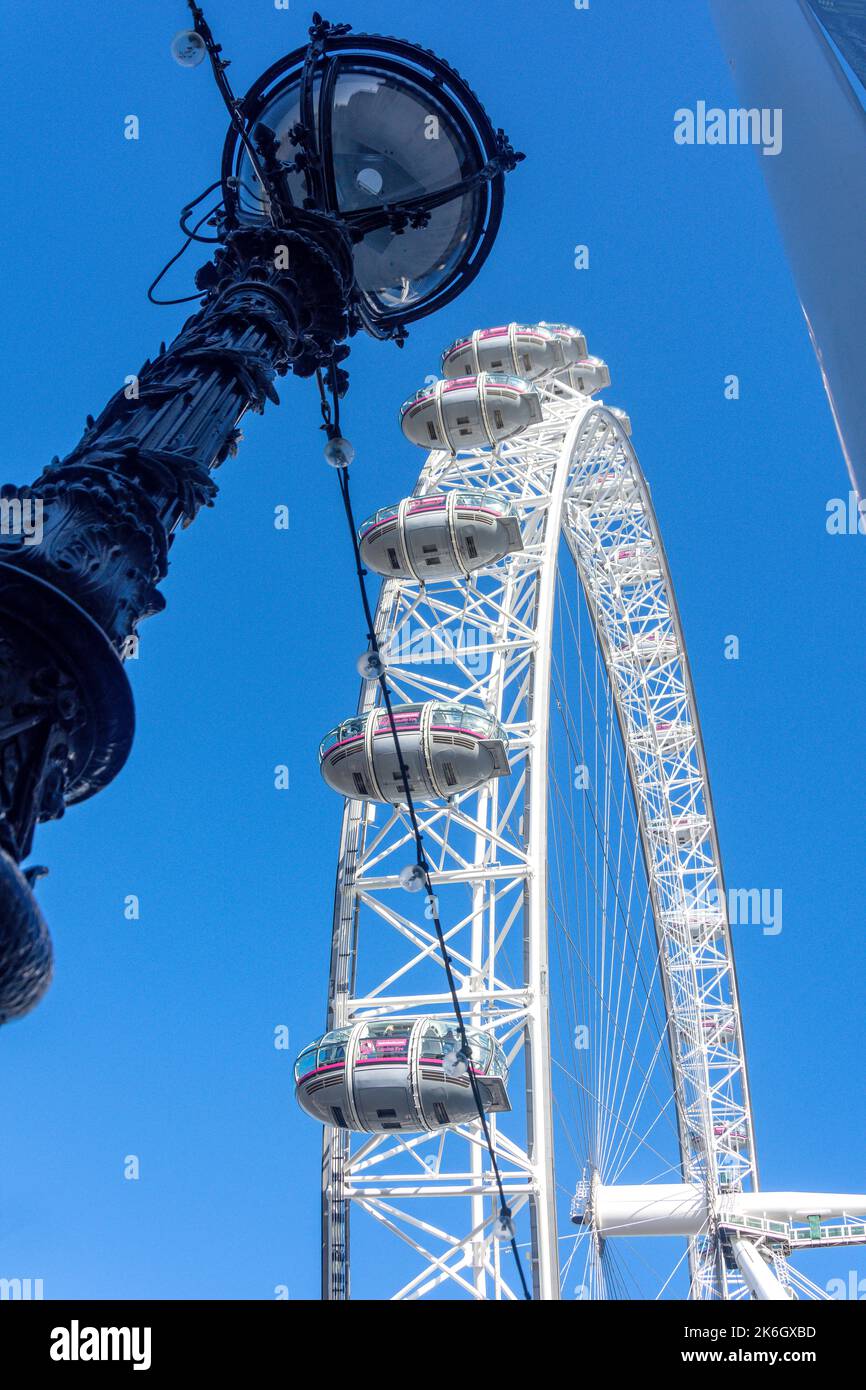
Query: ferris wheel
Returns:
{"type": "Point", "coordinates": [542, 708]}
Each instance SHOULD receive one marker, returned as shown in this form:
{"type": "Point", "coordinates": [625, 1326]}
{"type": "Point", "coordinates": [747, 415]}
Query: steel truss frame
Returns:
{"type": "Point", "coordinates": [575, 479]}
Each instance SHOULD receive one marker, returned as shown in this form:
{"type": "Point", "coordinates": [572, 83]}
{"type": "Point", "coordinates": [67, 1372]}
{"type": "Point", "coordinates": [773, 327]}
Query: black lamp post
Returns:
{"type": "Point", "coordinates": [361, 188]}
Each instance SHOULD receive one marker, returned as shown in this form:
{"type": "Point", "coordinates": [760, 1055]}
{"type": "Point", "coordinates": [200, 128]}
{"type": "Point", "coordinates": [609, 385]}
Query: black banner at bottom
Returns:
{"type": "Point", "coordinates": [161, 1338]}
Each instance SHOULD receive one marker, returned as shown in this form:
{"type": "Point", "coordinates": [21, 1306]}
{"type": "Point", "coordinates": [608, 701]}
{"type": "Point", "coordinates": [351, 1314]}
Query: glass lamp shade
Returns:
{"type": "Point", "coordinates": [388, 134]}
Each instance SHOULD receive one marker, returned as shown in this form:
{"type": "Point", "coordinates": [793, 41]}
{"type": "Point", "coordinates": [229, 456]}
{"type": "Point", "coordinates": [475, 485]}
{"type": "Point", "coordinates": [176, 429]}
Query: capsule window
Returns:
{"type": "Point", "coordinates": [305, 1064]}
{"type": "Point", "coordinates": [331, 1053]}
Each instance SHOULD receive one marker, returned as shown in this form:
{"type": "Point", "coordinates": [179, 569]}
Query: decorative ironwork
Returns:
{"type": "Point", "coordinates": [279, 296]}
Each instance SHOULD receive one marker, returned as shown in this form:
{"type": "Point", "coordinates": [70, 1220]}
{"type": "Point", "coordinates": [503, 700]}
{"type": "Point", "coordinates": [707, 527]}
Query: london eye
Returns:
{"type": "Point", "coordinates": [545, 722]}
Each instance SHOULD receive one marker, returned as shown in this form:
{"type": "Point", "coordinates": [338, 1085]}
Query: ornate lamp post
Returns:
{"type": "Point", "coordinates": [361, 188]}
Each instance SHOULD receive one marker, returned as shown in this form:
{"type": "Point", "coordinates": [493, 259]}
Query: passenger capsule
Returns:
{"type": "Point", "coordinates": [703, 925]}
{"type": "Point", "coordinates": [634, 562]}
{"type": "Point", "coordinates": [669, 736]}
{"type": "Point", "coordinates": [471, 412]}
{"type": "Point", "coordinates": [719, 1026]}
{"type": "Point", "coordinates": [573, 338]}
{"type": "Point", "coordinates": [447, 749]}
{"type": "Point", "coordinates": [388, 1074]}
{"type": "Point", "coordinates": [734, 1138]}
{"type": "Point", "coordinates": [623, 417]}
{"type": "Point", "coordinates": [528, 350]}
{"type": "Point", "coordinates": [686, 830]}
{"type": "Point", "coordinates": [587, 376]}
{"type": "Point", "coordinates": [613, 485]}
{"type": "Point", "coordinates": [440, 536]}
{"type": "Point", "coordinates": [649, 648]}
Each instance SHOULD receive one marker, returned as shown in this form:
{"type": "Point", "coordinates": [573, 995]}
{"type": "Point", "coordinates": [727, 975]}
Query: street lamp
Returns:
{"type": "Point", "coordinates": [388, 141]}
{"type": "Point", "coordinates": [361, 188]}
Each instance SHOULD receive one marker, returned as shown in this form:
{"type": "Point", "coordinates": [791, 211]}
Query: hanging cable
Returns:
{"type": "Point", "coordinates": [187, 298]}
{"type": "Point", "coordinates": [185, 212]}
{"type": "Point", "coordinates": [332, 429]}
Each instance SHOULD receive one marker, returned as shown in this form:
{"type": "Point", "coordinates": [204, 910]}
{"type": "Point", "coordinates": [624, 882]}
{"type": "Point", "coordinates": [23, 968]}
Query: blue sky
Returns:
{"type": "Point", "coordinates": [156, 1038]}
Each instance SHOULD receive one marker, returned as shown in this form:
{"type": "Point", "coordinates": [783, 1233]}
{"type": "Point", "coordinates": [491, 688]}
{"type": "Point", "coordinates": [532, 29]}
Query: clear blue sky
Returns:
{"type": "Point", "coordinates": [156, 1037]}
